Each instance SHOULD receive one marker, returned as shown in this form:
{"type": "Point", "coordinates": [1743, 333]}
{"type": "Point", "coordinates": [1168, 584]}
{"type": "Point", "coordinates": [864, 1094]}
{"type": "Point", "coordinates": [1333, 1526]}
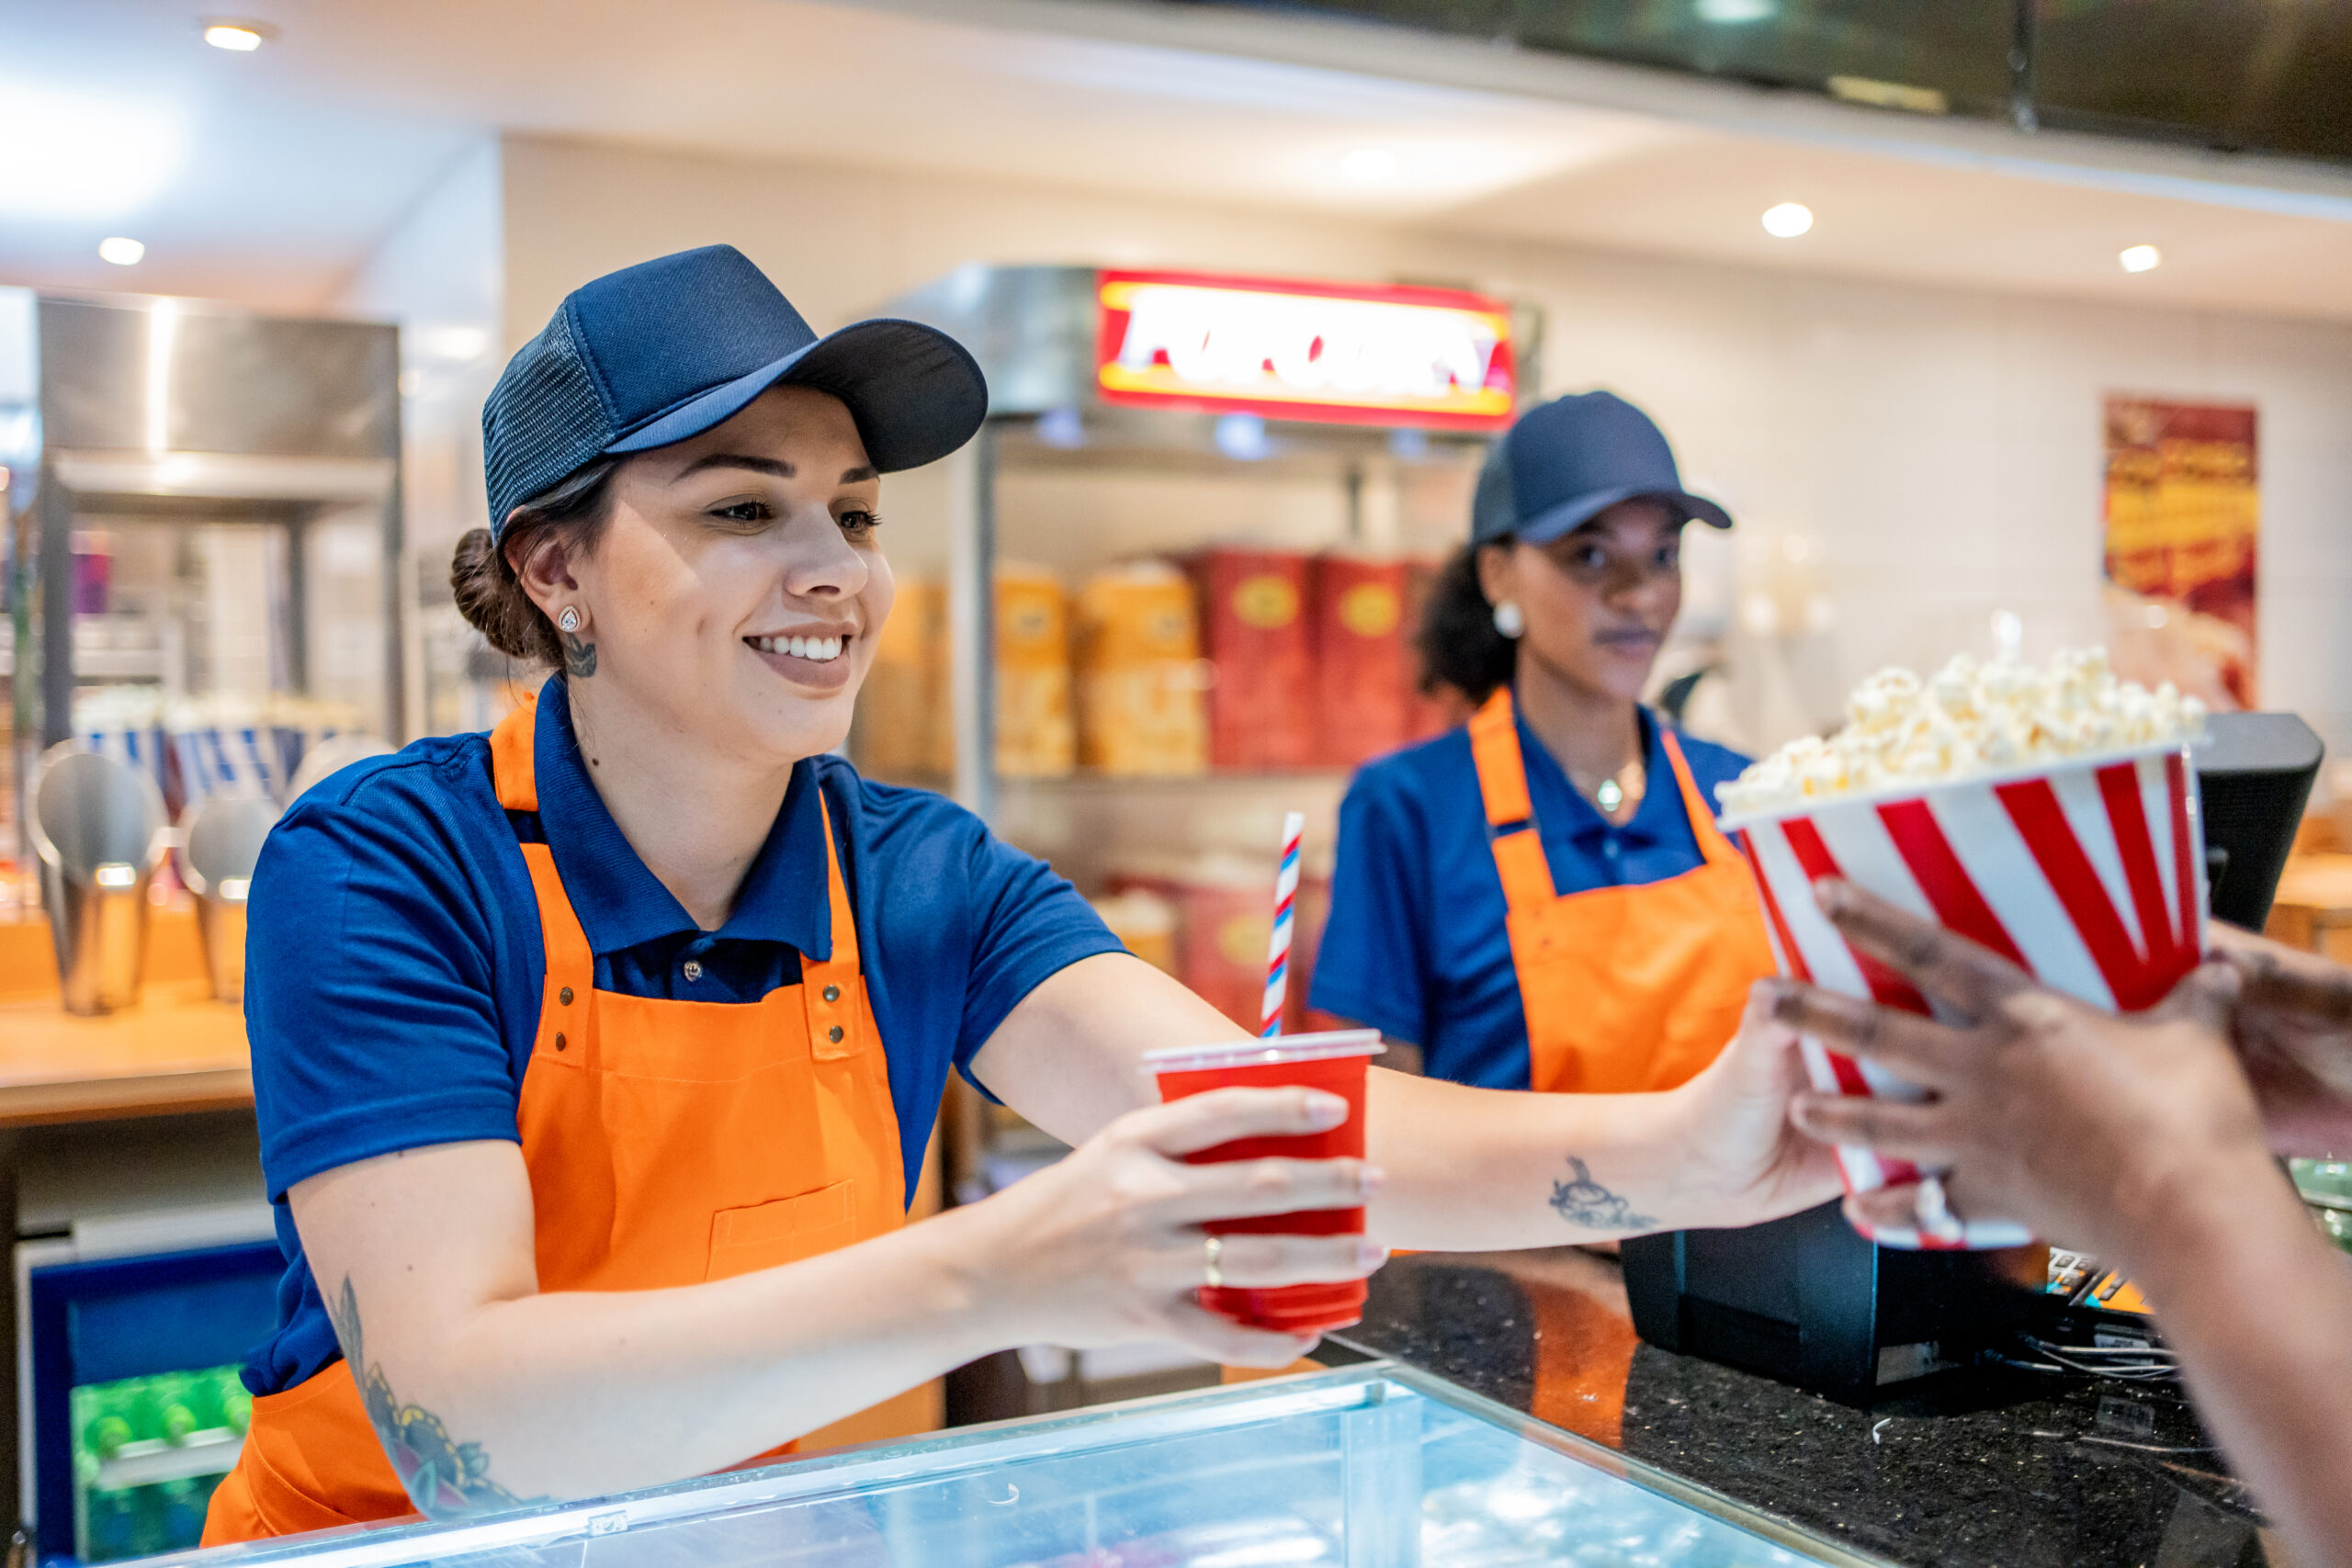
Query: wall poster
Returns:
{"type": "Point", "coordinates": [2183, 519]}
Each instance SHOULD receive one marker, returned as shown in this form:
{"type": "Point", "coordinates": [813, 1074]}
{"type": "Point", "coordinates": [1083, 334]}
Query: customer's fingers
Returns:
{"type": "Point", "coordinates": [1941, 962]}
{"type": "Point", "coordinates": [2205, 996]}
{"type": "Point", "coordinates": [2279, 976]}
{"type": "Point", "coordinates": [1920, 1048]}
{"type": "Point", "coordinates": [1902, 1129]}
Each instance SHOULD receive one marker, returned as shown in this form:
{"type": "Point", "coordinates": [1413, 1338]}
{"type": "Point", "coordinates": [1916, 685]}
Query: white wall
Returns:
{"type": "Point", "coordinates": [441, 275]}
{"type": "Point", "coordinates": [1942, 448]}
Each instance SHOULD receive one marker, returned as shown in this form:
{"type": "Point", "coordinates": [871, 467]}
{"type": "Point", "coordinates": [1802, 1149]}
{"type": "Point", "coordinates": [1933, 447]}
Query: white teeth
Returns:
{"type": "Point", "coordinates": [815, 649]}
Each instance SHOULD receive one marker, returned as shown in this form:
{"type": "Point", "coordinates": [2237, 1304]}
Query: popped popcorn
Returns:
{"type": "Point", "coordinates": [1968, 719]}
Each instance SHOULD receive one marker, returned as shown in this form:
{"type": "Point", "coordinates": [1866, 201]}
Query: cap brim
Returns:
{"type": "Point", "coordinates": [1568, 517]}
{"type": "Point", "coordinates": [916, 393]}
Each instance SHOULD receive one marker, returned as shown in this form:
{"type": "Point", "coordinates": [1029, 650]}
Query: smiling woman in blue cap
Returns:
{"type": "Point", "coordinates": [1541, 899]}
{"type": "Point", "coordinates": [595, 1056]}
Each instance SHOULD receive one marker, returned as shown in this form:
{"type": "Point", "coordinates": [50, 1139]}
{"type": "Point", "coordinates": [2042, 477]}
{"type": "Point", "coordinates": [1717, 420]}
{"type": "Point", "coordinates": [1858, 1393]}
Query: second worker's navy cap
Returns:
{"type": "Point", "coordinates": [656, 353]}
{"type": "Point", "coordinates": [1566, 462]}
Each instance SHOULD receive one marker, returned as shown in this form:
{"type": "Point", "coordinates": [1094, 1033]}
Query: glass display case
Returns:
{"type": "Point", "coordinates": [1369, 1467]}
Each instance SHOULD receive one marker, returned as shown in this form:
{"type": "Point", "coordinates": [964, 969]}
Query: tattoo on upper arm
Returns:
{"type": "Point", "coordinates": [1584, 1201]}
{"type": "Point", "coordinates": [446, 1479]}
{"type": "Point", "coordinates": [578, 657]}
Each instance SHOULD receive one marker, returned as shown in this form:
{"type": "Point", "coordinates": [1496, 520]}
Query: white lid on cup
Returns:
{"type": "Point", "coordinates": [1264, 1053]}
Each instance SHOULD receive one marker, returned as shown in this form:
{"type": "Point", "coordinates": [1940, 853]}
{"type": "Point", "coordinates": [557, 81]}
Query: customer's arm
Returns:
{"type": "Point", "coordinates": [2138, 1138]}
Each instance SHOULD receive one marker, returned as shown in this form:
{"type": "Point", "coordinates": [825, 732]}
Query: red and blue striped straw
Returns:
{"type": "Point", "coordinates": [1285, 907]}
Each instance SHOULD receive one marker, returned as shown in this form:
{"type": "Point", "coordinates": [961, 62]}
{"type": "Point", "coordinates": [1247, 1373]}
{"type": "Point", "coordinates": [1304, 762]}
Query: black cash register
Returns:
{"type": "Point", "coordinates": [1806, 1300]}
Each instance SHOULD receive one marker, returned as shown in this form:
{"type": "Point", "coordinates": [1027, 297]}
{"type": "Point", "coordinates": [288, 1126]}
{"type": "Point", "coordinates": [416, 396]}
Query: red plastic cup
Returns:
{"type": "Point", "coordinates": [1333, 1063]}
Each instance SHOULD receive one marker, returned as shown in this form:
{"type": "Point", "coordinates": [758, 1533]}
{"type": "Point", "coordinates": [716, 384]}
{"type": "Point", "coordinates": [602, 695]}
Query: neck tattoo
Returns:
{"type": "Point", "coordinates": [580, 656]}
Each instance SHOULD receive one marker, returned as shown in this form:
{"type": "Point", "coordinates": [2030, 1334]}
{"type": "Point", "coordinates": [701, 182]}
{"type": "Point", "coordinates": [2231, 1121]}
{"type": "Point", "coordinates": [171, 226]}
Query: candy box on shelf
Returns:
{"type": "Point", "coordinates": [2088, 872]}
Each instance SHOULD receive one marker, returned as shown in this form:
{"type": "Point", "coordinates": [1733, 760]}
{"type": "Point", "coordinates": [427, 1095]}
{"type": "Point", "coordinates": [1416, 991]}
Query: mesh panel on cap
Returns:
{"type": "Point", "coordinates": [1494, 506]}
{"type": "Point", "coordinates": [543, 420]}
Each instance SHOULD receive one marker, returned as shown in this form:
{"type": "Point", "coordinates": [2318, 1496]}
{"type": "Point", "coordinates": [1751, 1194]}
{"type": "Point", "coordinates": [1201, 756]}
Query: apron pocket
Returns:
{"type": "Point", "coordinates": [764, 1235]}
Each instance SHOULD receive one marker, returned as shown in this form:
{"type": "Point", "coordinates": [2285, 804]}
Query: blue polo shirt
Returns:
{"type": "Point", "coordinates": [394, 962]}
{"type": "Point", "coordinates": [1416, 944]}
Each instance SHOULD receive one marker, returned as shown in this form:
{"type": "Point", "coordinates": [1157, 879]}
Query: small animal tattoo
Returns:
{"type": "Point", "coordinates": [1584, 1201]}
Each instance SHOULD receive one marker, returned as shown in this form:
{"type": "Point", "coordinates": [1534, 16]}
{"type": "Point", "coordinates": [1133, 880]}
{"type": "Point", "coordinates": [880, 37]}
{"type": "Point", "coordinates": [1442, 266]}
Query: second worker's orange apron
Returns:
{"type": "Point", "coordinates": [1626, 988]}
{"type": "Point", "coordinates": [668, 1143]}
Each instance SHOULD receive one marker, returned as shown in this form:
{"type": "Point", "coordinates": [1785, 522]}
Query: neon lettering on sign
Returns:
{"type": "Point", "coordinates": [1318, 352]}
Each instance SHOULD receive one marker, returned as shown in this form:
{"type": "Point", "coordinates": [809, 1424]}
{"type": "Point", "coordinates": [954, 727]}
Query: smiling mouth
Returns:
{"type": "Point", "coordinates": [815, 649]}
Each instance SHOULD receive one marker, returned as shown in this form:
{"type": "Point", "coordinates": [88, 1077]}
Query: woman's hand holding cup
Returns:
{"type": "Point", "coordinates": [1106, 1246]}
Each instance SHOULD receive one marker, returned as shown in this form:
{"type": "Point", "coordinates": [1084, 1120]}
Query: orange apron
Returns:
{"type": "Point", "coordinates": [1625, 988]}
{"type": "Point", "coordinates": [668, 1143]}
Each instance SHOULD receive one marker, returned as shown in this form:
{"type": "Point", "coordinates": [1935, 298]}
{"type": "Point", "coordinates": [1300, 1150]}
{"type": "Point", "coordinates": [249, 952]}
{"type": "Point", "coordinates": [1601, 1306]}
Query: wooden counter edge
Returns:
{"type": "Point", "coordinates": [135, 1094]}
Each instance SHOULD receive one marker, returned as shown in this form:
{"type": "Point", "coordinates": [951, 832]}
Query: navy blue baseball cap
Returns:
{"type": "Point", "coordinates": [664, 350]}
{"type": "Point", "coordinates": [1565, 463]}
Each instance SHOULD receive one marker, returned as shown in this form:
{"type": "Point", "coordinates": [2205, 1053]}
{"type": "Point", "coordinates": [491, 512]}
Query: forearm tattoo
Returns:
{"type": "Point", "coordinates": [1584, 1201]}
{"type": "Point", "coordinates": [578, 657]}
{"type": "Point", "coordinates": [446, 1479]}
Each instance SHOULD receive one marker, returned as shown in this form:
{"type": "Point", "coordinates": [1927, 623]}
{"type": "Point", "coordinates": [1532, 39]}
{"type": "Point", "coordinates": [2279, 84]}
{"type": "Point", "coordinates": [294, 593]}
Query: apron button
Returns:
{"type": "Point", "coordinates": [832, 993]}
{"type": "Point", "coordinates": [558, 1042]}
{"type": "Point", "coordinates": [564, 995]}
{"type": "Point", "coordinates": [834, 1034]}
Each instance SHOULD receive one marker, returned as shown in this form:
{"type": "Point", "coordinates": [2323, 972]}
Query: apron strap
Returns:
{"type": "Point", "coordinates": [830, 988]}
{"type": "Point", "coordinates": [514, 771]}
{"type": "Point", "coordinates": [1510, 814]}
{"type": "Point", "coordinates": [572, 964]}
{"type": "Point", "coordinates": [1713, 845]}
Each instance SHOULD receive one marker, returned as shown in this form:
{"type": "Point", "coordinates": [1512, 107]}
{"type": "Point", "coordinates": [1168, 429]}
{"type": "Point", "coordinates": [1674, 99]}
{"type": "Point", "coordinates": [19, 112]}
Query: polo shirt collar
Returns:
{"type": "Point", "coordinates": [1661, 807]}
{"type": "Point", "coordinates": [622, 905]}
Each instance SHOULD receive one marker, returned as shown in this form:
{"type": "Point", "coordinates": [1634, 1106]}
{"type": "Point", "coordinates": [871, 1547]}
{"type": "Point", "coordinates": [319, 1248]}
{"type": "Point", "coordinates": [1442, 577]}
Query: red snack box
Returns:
{"type": "Point", "coordinates": [1253, 631]}
{"type": "Point", "coordinates": [1362, 672]}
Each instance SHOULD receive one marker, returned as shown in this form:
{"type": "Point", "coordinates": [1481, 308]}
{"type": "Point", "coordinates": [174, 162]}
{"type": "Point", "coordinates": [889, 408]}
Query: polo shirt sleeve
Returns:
{"type": "Point", "coordinates": [1028, 924]}
{"type": "Point", "coordinates": [1370, 966]}
{"type": "Point", "coordinates": [370, 1000]}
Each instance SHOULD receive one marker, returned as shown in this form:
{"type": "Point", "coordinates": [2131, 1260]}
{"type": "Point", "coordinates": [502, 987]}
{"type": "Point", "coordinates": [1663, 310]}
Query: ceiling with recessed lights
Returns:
{"type": "Point", "coordinates": [266, 174]}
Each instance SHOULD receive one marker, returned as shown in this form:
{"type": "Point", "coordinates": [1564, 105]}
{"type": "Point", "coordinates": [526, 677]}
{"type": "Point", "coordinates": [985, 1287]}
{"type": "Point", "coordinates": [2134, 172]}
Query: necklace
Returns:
{"type": "Point", "coordinates": [1626, 782]}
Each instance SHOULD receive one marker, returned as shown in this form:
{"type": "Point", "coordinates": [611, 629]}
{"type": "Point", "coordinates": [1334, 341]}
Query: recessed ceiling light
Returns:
{"type": "Point", "coordinates": [1787, 220]}
{"type": "Point", "coordinates": [2141, 258]}
{"type": "Point", "coordinates": [1732, 13]}
{"type": "Point", "coordinates": [121, 252]}
{"type": "Point", "coordinates": [1369, 166]}
{"type": "Point", "coordinates": [239, 37]}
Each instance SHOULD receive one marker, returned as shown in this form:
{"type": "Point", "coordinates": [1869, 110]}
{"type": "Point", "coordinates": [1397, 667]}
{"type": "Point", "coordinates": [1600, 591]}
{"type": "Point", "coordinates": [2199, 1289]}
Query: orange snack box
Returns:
{"type": "Point", "coordinates": [1139, 703]}
{"type": "Point", "coordinates": [1035, 736]}
{"type": "Point", "coordinates": [904, 729]}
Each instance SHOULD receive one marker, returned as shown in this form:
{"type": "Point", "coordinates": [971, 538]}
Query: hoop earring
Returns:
{"type": "Point", "coordinates": [1511, 620]}
{"type": "Point", "coordinates": [569, 620]}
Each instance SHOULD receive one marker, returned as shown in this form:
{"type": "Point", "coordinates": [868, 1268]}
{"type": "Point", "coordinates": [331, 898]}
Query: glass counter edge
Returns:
{"type": "Point", "coordinates": [947, 1452]}
{"type": "Point", "coordinates": [987, 1444]}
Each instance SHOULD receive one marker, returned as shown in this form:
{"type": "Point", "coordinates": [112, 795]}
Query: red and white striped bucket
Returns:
{"type": "Point", "coordinates": [2090, 876]}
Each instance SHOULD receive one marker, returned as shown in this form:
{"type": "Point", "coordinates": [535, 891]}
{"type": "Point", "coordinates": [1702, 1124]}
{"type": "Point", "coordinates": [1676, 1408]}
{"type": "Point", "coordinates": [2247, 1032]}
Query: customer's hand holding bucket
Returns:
{"type": "Point", "coordinates": [2001, 1077]}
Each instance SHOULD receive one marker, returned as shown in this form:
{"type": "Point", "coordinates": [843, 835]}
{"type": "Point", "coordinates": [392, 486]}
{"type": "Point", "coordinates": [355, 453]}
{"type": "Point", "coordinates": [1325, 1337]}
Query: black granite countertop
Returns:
{"type": "Point", "coordinates": [1971, 1467]}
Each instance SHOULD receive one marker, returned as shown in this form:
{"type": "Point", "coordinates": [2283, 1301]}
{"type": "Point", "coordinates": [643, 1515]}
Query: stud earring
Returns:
{"type": "Point", "coordinates": [569, 620]}
{"type": "Point", "coordinates": [1510, 619]}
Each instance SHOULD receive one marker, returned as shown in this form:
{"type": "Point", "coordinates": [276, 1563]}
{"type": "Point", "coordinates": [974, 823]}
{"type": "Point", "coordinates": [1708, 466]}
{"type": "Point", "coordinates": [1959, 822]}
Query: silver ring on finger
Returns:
{"type": "Point", "coordinates": [1212, 1252]}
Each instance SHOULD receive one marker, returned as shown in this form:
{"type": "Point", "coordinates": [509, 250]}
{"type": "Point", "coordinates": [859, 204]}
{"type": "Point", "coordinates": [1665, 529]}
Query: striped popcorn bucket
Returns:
{"type": "Point", "coordinates": [2090, 876]}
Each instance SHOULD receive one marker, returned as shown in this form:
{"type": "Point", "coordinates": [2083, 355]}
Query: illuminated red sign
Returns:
{"type": "Point", "coordinates": [1329, 353]}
